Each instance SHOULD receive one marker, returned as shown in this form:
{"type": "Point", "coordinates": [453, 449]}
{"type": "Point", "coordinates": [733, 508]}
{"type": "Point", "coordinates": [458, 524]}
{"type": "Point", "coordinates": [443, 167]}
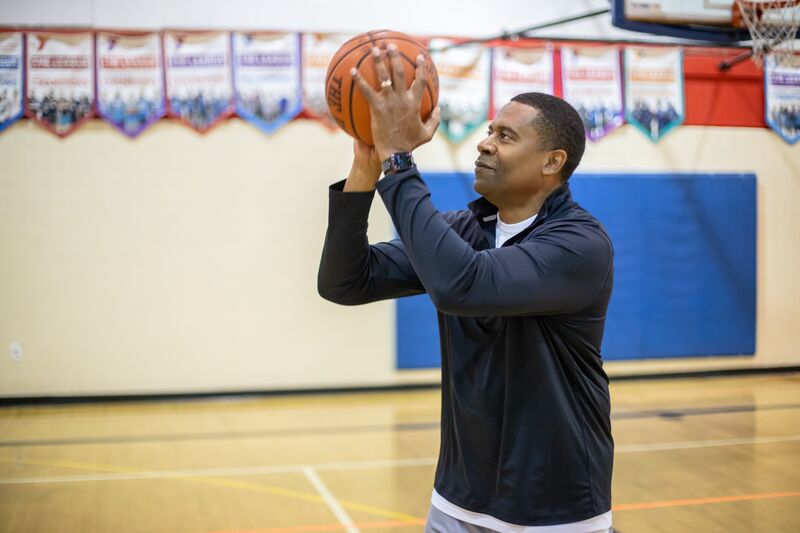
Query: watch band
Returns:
{"type": "Point", "coordinates": [397, 163]}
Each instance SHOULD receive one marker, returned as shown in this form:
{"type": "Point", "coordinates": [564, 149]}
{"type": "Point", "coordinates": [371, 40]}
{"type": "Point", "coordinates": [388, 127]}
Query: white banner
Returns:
{"type": "Point", "coordinates": [130, 81]}
{"type": "Point", "coordinates": [782, 97]}
{"type": "Point", "coordinates": [318, 50]}
{"type": "Point", "coordinates": [520, 70]}
{"type": "Point", "coordinates": [464, 76]}
{"type": "Point", "coordinates": [592, 83]}
{"type": "Point", "coordinates": [11, 84]}
{"type": "Point", "coordinates": [654, 89]}
{"type": "Point", "coordinates": [199, 78]}
{"type": "Point", "coordinates": [60, 79]}
{"type": "Point", "coordinates": [266, 71]}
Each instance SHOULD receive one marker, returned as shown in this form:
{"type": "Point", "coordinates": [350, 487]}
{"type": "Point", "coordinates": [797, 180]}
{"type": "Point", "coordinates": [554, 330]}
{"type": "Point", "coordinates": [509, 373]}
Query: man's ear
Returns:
{"type": "Point", "coordinates": [555, 162]}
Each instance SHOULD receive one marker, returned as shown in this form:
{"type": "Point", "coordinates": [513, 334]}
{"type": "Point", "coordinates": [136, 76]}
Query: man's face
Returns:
{"type": "Point", "coordinates": [512, 157]}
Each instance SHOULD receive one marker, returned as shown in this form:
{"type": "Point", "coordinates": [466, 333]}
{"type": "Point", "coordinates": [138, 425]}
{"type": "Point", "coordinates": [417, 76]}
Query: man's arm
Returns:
{"type": "Point", "coordinates": [559, 272]}
{"type": "Point", "coordinates": [351, 271]}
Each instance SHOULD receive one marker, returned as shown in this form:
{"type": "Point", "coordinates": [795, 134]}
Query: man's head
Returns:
{"type": "Point", "coordinates": [533, 145]}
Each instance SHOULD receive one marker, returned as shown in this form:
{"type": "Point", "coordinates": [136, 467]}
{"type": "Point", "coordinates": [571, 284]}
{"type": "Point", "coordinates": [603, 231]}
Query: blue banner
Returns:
{"type": "Point", "coordinates": [11, 78]}
{"type": "Point", "coordinates": [266, 78]}
{"type": "Point", "coordinates": [782, 97]}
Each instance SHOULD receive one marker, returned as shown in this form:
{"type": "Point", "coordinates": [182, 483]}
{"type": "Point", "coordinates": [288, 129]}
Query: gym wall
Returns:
{"type": "Point", "coordinates": [186, 263]}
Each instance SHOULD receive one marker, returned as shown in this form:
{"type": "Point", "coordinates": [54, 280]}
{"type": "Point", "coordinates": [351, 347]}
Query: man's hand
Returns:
{"type": "Point", "coordinates": [366, 169]}
{"type": "Point", "coordinates": [395, 110]}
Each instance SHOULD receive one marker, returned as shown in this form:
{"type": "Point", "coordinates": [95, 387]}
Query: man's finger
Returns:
{"type": "Point", "coordinates": [368, 92]}
{"type": "Point", "coordinates": [398, 72]}
{"type": "Point", "coordinates": [432, 124]}
{"type": "Point", "coordinates": [384, 78]}
{"type": "Point", "coordinates": [420, 78]}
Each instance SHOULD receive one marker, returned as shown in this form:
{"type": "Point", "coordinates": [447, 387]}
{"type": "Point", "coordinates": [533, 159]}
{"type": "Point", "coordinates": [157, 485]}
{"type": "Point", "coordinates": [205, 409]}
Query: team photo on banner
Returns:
{"type": "Point", "coordinates": [130, 81]}
{"type": "Point", "coordinates": [520, 70]}
{"type": "Point", "coordinates": [11, 84]}
{"type": "Point", "coordinates": [464, 81]}
{"type": "Point", "coordinates": [60, 79]}
{"type": "Point", "coordinates": [654, 89]}
{"type": "Point", "coordinates": [592, 83]}
{"type": "Point", "coordinates": [266, 78]}
{"type": "Point", "coordinates": [199, 80]}
{"type": "Point", "coordinates": [782, 97]}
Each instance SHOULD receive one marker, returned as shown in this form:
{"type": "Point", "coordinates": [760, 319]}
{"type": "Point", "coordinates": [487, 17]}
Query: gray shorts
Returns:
{"type": "Point", "coordinates": [439, 522]}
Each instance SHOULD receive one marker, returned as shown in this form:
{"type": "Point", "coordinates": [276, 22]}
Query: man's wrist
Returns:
{"type": "Point", "coordinates": [397, 162]}
{"type": "Point", "coordinates": [386, 153]}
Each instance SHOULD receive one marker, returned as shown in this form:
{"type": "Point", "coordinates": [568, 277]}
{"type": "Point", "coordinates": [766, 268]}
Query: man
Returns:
{"type": "Point", "coordinates": [521, 282]}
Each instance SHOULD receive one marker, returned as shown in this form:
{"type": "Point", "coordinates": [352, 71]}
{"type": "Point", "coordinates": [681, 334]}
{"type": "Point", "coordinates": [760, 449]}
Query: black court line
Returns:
{"type": "Point", "coordinates": [695, 411]}
{"type": "Point", "coordinates": [344, 430]}
{"type": "Point", "coordinates": [25, 401]}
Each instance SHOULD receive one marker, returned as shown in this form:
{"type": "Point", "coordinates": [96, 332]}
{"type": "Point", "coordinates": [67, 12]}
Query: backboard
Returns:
{"type": "Point", "coordinates": [701, 20]}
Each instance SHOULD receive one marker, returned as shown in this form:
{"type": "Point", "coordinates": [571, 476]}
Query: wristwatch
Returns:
{"type": "Point", "coordinates": [397, 163]}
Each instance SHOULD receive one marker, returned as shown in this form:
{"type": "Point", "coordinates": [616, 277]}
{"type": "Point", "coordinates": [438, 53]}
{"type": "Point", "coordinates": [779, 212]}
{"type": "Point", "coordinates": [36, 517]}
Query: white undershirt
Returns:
{"type": "Point", "coordinates": [599, 523]}
{"type": "Point", "coordinates": [506, 231]}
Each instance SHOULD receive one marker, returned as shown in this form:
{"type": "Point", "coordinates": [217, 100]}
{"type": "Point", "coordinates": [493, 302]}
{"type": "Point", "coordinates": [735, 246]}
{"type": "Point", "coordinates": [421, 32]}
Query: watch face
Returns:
{"type": "Point", "coordinates": [398, 162]}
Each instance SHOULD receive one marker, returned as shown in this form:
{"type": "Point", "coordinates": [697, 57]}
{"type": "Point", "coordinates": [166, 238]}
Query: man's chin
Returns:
{"type": "Point", "coordinates": [479, 186]}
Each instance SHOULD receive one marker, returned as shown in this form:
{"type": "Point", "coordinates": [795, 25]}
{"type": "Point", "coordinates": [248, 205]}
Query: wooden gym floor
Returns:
{"type": "Point", "coordinates": [699, 455]}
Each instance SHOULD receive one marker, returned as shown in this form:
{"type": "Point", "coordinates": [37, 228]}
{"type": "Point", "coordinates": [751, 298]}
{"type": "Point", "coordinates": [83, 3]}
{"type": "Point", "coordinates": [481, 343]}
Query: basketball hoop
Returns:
{"type": "Point", "coordinates": [772, 25]}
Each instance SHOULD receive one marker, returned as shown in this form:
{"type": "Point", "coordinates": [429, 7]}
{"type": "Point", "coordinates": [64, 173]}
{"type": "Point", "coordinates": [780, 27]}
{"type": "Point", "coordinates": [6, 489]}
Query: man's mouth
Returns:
{"type": "Point", "coordinates": [483, 164]}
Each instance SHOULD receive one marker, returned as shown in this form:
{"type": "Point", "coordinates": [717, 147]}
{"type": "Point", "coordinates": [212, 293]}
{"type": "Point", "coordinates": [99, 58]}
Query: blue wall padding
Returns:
{"type": "Point", "coordinates": [685, 265]}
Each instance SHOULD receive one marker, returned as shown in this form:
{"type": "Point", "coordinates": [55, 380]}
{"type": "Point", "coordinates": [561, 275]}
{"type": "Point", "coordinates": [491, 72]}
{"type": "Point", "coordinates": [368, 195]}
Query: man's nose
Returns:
{"type": "Point", "coordinates": [486, 147]}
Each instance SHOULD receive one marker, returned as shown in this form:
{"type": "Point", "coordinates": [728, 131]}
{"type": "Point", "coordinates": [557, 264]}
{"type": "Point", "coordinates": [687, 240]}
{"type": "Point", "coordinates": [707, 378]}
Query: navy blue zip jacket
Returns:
{"type": "Point", "coordinates": [525, 429]}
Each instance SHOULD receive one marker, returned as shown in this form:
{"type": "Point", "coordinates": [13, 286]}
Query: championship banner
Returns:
{"type": "Point", "coordinates": [11, 86]}
{"type": "Point", "coordinates": [60, 79]}
{"type": "Point", "coordinates": [318, 50]}
{"type": "Point", "coordinates": [520, 70]}
{"type": "Point", "coordinates": [199, 79]}
{"type": "Point", "coordinates": [592, 83]}
{"type": "Point", "coordinates": [266, 78]}
{"type": "Point", "coordinates": [464, 76]}
{"type": "Point", "coordinates": [782, 97]}
{"type": "Point", "coordinates": [654, 89]}
{"type": "Point", "coordinates": [130, 81]}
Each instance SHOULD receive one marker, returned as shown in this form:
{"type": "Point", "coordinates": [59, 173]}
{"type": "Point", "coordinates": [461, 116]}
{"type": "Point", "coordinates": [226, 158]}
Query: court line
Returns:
{"type": "Point", "coordinates": [133, 474]}
{"type": "Point", "coordinates": [616, 508]}
{"type": "Point", "coordinates": [339, 430]}
{"type": "Point", "coordinates": [329, 527]}
{"type": "Point", "coordinates": [337, 510]}
{"type": "Point", "coordinates": [293, 432]}
{"type": "Point", "coordinates": [686, 445]}
{"type": "Point", "coordinates": [130, 473]}
{"type": "Point", "coordinates": [230, 471]}
{"type": "Point", "coordinates": [702, 501]}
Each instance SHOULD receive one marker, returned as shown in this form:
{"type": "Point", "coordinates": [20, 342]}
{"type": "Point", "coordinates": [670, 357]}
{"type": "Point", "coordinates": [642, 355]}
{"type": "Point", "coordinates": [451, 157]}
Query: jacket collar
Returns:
{"type": "Point", "coordinates": [485, 211]}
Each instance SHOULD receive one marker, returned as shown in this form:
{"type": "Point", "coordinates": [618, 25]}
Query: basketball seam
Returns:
{"type": "Point", "coordinates": [371, 41]}
{"type": "Point", "coordinates": [332, 68]}
{"type": "Point", "coordinates": [350, 102]}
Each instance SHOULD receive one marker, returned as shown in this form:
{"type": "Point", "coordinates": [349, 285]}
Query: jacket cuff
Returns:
{"type": "Point", "coordinates": [390, 181]}
{"type": "Point", "coordinates": [351, 206]}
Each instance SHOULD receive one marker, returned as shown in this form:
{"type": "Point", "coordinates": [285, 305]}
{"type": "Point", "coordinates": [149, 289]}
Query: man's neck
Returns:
{"type": "Point", "coordinates": [517, 212]}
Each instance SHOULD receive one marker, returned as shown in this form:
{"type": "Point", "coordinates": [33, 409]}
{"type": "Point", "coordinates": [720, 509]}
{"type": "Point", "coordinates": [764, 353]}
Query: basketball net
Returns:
{"type": "Point", "coordinates": [773, 27]}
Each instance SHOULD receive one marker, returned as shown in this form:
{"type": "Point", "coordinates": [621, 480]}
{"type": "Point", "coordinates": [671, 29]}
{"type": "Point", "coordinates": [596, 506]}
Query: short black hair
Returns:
{"type": "Point", "coordinates": [559, 126]}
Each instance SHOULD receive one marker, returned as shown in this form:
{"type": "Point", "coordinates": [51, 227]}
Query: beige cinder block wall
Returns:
{"type": "Point", "coordinates": [178, 262]}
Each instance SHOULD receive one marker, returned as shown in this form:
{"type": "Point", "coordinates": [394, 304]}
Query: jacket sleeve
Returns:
{"type": "Point", "coordinates": [351, 272]}
{"type": "Point", "coordinates": [560, 271]}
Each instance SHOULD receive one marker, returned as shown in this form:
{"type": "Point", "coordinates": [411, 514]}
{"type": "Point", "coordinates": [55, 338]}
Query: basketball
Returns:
{"type": "Point", "coordinates": [347, 105]}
